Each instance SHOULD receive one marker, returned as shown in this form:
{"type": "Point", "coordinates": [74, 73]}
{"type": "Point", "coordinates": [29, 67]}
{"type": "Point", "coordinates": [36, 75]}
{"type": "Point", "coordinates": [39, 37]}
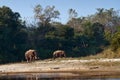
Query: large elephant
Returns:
{"type": "Point", "coordinates": [31, 55]}
{"type": "Point", "coordinates": [59, 53]}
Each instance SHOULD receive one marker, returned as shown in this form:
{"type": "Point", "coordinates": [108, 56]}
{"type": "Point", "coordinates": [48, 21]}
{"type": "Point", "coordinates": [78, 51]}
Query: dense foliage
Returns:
{"type": "Point", "coordinates": [81, 36]}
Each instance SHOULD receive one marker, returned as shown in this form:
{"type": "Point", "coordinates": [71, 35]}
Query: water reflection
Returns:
{"type": "Point", "coordinates": [33, 78]}
{"type": "Point", "coordinates": [53, 76]}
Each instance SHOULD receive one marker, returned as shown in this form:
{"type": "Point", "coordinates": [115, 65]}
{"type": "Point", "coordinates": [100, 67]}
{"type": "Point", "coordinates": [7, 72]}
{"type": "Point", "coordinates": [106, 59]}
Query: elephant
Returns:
{"type": "Point", "coordinates": [31, 55]}
{"type": "Point", "coordinates": [59, 53]}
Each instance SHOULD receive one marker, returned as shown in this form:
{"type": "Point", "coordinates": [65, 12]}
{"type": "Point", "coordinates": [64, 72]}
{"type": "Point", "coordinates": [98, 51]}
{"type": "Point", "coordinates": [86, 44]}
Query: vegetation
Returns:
{"type": "Point", "coordinates": [80, 36]}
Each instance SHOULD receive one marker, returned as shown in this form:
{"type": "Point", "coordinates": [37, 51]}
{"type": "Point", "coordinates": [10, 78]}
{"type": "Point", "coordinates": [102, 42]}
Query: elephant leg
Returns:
{"type": "Point", "coordinates": [33, 58]}
{"type": "Point", "coordinates": [27, 59]}
{"type": "Point", "coordinates": [63, 55]}
{"type": "Point", "coordinates": [54, 56]}
{"type": "Point", "coordinates": [60, 55]}
{"type": "Point", "coordinates": [30, 58]}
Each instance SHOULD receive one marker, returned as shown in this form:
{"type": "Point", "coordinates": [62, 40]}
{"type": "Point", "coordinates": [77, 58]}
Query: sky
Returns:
{"type": "Point", "coordinates": [82, 7]}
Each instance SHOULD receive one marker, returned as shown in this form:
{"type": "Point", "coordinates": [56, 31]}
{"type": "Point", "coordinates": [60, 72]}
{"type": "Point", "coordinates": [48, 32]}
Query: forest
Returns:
{"type": "Point", "coordinates": [79, 37]}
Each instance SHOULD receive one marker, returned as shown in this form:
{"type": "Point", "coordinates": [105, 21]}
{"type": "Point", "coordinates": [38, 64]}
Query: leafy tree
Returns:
{"type": "Point", "coordinates": [115, 42]}
{"type": "Point", "coordinates": [76, 23]}
{"type": "Point", "coordinates": [10, 25]}
{"type": "Point", "coordinates": [87, 29]}
{"type": "Point", "coordinates": [98, 31]}
{"type": "Point", "coordinates": [46, 15]}
{"type": "Point", "coordinates": [65, 31]}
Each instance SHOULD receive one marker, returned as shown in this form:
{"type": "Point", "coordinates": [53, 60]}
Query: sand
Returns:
{"type": "Point", "coordinates": [64, 66]}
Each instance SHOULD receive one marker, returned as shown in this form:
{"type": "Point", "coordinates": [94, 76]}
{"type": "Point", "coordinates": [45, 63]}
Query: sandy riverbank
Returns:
{"type": "Point", "coordinates": [92, 67]}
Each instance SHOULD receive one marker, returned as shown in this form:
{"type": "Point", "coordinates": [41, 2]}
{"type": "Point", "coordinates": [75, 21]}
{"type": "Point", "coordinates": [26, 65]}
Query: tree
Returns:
{"type": "Point", "coordinates": [115, 42]}
{"type": "Point", "coordinates": [64, 32]}
{"type": "Point", "coordinates": [72, 14]}
{"type": "Point", "coordinates": [73, 21]}
{"type": "Point", "coordinates": [10, 26]}
{"type": "Point", "coordinates": [46, 15]}
{"type": "Point", "coordinates": [98, 31]}
{"type": "Point", "coordinates": [76, 23]}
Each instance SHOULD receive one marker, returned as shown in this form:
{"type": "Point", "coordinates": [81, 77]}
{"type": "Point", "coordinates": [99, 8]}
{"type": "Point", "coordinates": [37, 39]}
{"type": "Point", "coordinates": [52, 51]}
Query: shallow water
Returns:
{"type": "Point", "coordinates": [54, 76]}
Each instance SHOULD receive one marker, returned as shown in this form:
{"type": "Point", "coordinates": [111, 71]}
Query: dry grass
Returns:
{"type": "Point", "coordinates": [108, 53]}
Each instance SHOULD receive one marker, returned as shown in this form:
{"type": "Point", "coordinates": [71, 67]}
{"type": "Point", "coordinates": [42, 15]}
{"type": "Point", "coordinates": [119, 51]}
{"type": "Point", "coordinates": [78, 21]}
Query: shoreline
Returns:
{"type": "Point", "coordinates": [70, 68]}
{"type": "Point", "coordinates": [63, 74]}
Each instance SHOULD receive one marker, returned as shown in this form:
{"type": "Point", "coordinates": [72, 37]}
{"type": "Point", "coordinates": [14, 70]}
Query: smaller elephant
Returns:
{"type": "Point", "coordinates": [59, 53]}
{"type": "Point", "coordinates": [31, 55]}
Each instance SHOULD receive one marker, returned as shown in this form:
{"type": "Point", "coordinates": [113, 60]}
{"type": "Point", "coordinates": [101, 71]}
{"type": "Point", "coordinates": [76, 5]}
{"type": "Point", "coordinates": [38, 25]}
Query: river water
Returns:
{"type": "Point", "coordinates": [54, 76]}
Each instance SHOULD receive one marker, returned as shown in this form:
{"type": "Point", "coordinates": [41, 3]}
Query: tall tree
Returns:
{"type": "Point", "coordinates": [45, 16]}
{"type": "Point", "coordinates": [72, 13]}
